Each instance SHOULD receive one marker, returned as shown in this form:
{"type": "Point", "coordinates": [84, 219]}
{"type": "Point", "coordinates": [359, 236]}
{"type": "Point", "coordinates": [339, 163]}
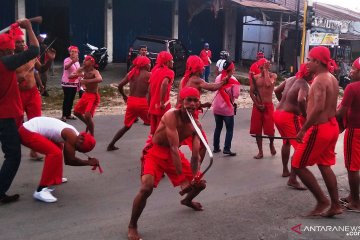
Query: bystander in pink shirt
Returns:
{"type": "Point", "coordinates": [220, 107]}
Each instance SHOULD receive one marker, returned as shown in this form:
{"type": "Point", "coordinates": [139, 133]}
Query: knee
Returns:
{"type": "Point", "coordinates": [88, 115]}
{"type": "Point", "coordinates": [146, 190]}
{"type": "Point", "coordinates": [200, 185]}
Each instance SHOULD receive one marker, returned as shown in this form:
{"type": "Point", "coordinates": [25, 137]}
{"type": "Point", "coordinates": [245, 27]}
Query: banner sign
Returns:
{"type": "Point", "coordinates": [324, 39]}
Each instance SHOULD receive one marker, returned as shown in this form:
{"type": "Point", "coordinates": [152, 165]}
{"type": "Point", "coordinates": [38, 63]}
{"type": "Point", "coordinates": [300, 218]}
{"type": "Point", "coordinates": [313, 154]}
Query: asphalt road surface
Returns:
{"type": "Point", "coordinates": [245, 198]}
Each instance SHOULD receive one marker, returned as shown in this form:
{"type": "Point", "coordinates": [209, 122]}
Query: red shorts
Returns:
{"type": "Point", "coordinates": [262, 120]}
{"type": "Point", "coordinates": [87, 103]}
{"type": "Point", "coordinates": [288, 125]}
{"type": "Point", "coordinates": [136, 107]}
{"type": "Point", "coordinates": [352, 149]}
{"type": "Point", "coordinates": [53, 163]}
{"type": "Point", "coordinates": [154, 122]}
{"type": "Point", "coordinates": [158, 161]}
{"type": "Point", "coordinates": [31, 101]}
{"type": "Point", "coordinates": [318, 146]}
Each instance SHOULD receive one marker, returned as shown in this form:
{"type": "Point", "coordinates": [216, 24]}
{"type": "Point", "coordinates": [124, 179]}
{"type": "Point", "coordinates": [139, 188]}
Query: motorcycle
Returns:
{"type": "Point", "coordinates": [100, 55]}
{"type": "Point", "coordinates": [344, 81]}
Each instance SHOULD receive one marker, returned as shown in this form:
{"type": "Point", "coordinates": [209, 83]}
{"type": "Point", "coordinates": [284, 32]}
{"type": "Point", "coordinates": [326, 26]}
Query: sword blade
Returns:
{"type": "Point", "coordinates": [274, 137]}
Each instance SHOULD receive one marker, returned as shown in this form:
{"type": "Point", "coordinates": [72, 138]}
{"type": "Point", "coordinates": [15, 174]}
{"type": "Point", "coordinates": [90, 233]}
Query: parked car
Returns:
{"type": "Point", "coordinates": [156, 44]}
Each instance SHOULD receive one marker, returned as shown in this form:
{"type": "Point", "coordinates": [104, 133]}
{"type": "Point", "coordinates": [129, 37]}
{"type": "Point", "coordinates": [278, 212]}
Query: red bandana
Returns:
{"type": "Point", "coordinates": [189, 91]}
{"type": "Point", "coordinates": [194, 64]}
{"type": "Point", "coordinates": [88, 143]}
{"type": "Point", "coordinates": [161, 60]}
{"type": "Point", "coordinates": [303, 72]}
{"type": "Point", "coordinates": [323, 55]}
{"type": "Point", "coordinates": [73, 48]}
{"type": "Point", "coordinates": [229, 83]}
{"type": "Point", "coordinates": [261, 62]}
{"type": "Point", "coordinates": [138, 63]}
{"type": "Point", "coordinates": [356, 64]}
{"type": "Point", "coordinates": [7, 40]}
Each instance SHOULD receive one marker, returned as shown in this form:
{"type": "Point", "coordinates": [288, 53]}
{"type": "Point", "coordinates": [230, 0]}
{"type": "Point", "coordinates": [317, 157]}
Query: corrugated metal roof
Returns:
{"type": "Point", "coordinates": [335, 12]}
{"type": "Point", "coordinates": [262, 5]}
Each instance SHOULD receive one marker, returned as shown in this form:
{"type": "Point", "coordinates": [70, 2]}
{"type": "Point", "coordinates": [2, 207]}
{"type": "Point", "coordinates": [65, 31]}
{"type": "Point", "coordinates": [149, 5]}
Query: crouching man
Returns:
{"type": "Point", "coordinates": [164, 156]}
{"type": "Point", "coordinates": [50, 136]}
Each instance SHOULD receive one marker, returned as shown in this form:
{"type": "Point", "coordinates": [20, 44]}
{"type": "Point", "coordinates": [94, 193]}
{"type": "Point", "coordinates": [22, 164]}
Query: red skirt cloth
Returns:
{"type": "Point", "coordinates": [288, 125]}
{"type": "Point", "coordinates": [262, 120]}
{"type": "Point", "coordinates": [318, 146]}
{"type": "Point", "coordinates": [53, 164]}
{"type": "Point", "coordinates": [352, 149]}
{"type": "Point", "coordinates": [87, 103]}
{"type": "Point", "coordinates": [158, 161]}
{"type": "Point", "coordinates": [136, 107]}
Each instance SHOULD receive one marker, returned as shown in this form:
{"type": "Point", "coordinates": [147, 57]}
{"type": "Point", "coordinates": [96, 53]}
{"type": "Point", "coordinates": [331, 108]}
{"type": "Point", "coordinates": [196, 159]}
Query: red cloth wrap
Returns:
{"type": "Point", "coordinates": [288, 125]}
{"type": "Point", "coordinates": [138, 63]}
{"type": "Point", "coordinates": [87, 103]}
{"type": "Point", "coordinates": [318, 146]}
{"type": "Point", "coordinates": [352, 149]}
{"type": "Point", "coordinates": [73, 48]}
{"type": "Point", "coordinates": [263, 120]}
{"type": "Point", "coordinates": [260, 55]}
{"type": "Point", "coordinates": [7, 40]}
{"type": "Point", "coordinates": [88, 144]}
{"type": "Point", "coordinates": [323, 55]}
{"type": "Point", "coordinates": [303, 72]}
{"type": "Point", "coordinates": [158, 161]}
{"type": "Point", "coordinates": [356, 63]}
{"type": "Point", "coordinates": [223, 93]}
{"type": "Point", "coordinates": [136, 107]}
{"type": "Point", "coordinates": [194, 64]}
{"type": "Point", "coordinates": [261, 62]}
{"type": "Point", "coordinates": [189, 91]}
{"type": "Point", "coordinates": [161, 60]}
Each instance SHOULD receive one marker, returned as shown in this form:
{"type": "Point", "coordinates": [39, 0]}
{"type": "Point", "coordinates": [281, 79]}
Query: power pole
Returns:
{"type": "Point", "coordinates": [296, 51]}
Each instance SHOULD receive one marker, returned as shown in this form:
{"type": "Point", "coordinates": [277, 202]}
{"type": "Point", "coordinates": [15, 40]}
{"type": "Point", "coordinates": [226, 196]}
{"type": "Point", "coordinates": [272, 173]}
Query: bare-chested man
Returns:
{"type": "Point", "coordinates": [87, 104]}
{"type": "Point", "coordinates": [350, 110]}
{"type": "Point", "coordinates": [137, 105]}
{"type": "Point", "coordinates": [30, 96]}
{"type": "Point", "coordinates": [319, 134]}
{"type": "Point", "coordinates": [164, 156]}
{"type": "Point", "coordinates": [290, 115]}
{"type": "Point", "coordinates": [261, 89]}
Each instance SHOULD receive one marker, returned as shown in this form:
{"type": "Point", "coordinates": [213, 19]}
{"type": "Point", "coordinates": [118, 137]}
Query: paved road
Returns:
{"type": "Point", "coordinates": [245, 198]}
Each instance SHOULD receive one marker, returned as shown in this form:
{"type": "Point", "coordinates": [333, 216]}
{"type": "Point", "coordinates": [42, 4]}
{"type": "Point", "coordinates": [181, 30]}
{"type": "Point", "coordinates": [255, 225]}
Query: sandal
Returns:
{"type": "Point", "coordinates": [71, 118]}
{"type": "Point", "coordinates": [63, 119]}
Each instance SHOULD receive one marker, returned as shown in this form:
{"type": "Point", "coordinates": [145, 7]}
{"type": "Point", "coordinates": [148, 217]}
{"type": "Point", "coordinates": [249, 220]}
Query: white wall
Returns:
{"type": "Point", "coordinates": [109, 29]}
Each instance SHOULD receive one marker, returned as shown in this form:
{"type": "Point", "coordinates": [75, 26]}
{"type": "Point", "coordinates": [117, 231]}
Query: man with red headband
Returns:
{"type": "Point", "coordinates": [261, 90]}
{"type": "Point", "coordinates": [85, 108]}
{"type": "Point", "coordinates": [161, 80]}
{"type": "Point", "coordinates": [137, 105]}
{"type": "Point", "coordinates": [52, 137]}
{"type": "Point", "coordinates": [10, 103]}
{"type": "Point", "coordinates": [223, 108]}
{"type": "Point", "coordinates": [290, 115]}
{"type": "Point", "coordinates": [164, 156]}
{"type": "Point", "coordinates": [350, 108]}
{"type": "Point", "coordinates": [254, 68]}
{"type": "Point", "coordinates": [29, 93]}
{"type": "Point", "coordinates": [318, 136]}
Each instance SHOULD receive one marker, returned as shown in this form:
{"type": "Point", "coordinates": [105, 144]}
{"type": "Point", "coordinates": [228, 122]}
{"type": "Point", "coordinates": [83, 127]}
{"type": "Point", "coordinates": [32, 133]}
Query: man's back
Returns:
{"type": "Point", "coordinates": [323, 94]}
{"type": "Point", "coordinates": [139, 84]}
{"type": "Point", "coordinates": [289, 101]}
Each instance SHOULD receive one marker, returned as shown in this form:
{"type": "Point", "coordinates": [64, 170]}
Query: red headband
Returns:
{"type": "Point", "coordinates": [194, 64]}
{"type": "Point", "coordinates": [224, 72]}
{"type": "Point", "coordinates": [356, 63]}
{"type": "Point", "coordinates": [138, 63]}
{"type": "Point", "coordinates": [163, 57]}
{"type": "Point", "coordinates": [88, 143]}
{"type": "Point", "coordinates": [322, 54]}
{"type": "Point", "coordinates": [260, 54]}
{"type": "Point", "coordinates": [303, 72]}
{"type": "Point", "coordinates": [189, 92]}
{"type": "Point", "coordinates": [73, 48]}
{"type": "Point", "coordinates": [89, 57]}
{"type": "Point", "coordinates": [7, 39]}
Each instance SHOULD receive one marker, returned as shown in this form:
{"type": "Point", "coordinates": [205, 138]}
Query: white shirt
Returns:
{"type": "Point", "coordinates": [220, 64]}
{"type": "Point", "coordinates": [50, 128]}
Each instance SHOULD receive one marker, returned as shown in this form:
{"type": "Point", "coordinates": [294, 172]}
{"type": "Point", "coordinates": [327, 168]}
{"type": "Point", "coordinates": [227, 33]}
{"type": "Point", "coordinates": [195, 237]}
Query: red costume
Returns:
{"type": "Point", "coordinates": [262, 120]}
{"type": "Point", "coordinates": [288, 125]}
{"type": "Point", "coordinates": [159, 73]}
{"type": "Point", "coordinates": [205, 56]}
{"type": "Point", "coordinates": [136, 107]}
{"type": "Point", "coordinates": [318, 146]}
{"type": "Point", "coordinates": [87, 103]}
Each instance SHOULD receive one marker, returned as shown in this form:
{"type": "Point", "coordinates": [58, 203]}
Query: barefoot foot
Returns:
{"type": "Point", "coordinates": [319, 209]}
{"type": "Point", "coordinates": [352, 208]}
{"type": "Point", "coordinates": [295, 185]}
{"type": "Point", "coordinates": [285, 173]}
{"type": "Point", "coordinates": [333, 210]}
{"type": "Point", "coordinates": [272, 149]}
{"type": "Point", "coordinates": [194, 205]}
{"type": "Point", "coordinates": [259, 156]}
{"type": "Point", "coordinates": [111, 148]}
{"type": "Point", "coordinates": [133, 234]}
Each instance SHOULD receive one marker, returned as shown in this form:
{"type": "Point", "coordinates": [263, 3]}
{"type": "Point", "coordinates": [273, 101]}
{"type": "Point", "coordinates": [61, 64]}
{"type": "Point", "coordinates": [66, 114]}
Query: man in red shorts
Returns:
{"type": "Point", "coordinates": [29, 93]}
{"type": "Point", "coordinates": [161, 80]}
{"type": "Point", "coordinates": [164, 156]}
{"type": "Point", "coordinates": [262, 112]}
{"type": "Point", "coordinates": [85, 108]}
{"type": "Point", "coordinates": [290, 114]}
{"type": "Point", "coordinates": [318, 136]}
{"type": "Point", "coordinates": [137, 105]}
{"type": "Point", "coordinates": [350, 108]}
